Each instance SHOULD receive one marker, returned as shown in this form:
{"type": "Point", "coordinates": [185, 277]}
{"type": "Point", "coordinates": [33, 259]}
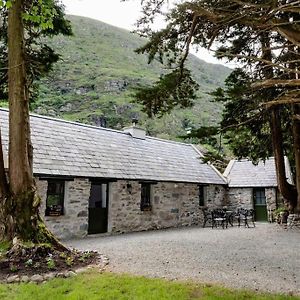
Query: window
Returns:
{"type": "Point", "coordinates": [201, 195]}
{"type": "Point", "coordinates": [55, 198]}
{"type": "Point", "coordinates": [259, 196]}
{"type": "Point", "coordinates": [145, 196]}
{"type": "Point", "coordinates": [98, 196]}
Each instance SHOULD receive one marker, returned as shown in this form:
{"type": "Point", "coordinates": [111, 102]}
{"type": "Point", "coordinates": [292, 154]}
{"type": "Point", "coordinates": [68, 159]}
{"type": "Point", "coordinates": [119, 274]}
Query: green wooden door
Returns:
{"type": "Point", "coordinates": [260, 206]}
{"type": "Point", "coordinates": [98, 208]}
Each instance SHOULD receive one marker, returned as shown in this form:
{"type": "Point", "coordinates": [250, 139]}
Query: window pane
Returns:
{"type": "Point", "coordinates": [260, 197]}
{"type": "Point", "coordinates": [98, 195]}
{"type": "Point", "coordinates": [201, 195]}
{"type": "Point", "coordinates": [145, 195]}
{"type": "Point", "coordinates": [55, 198]}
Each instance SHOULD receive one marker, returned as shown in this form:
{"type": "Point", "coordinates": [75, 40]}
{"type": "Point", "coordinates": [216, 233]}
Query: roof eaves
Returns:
{"type": "Point", "coordinates": [211, 165]}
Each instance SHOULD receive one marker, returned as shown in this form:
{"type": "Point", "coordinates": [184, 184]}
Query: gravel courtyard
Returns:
{"type": "Point", "coordinates": [265, 258]}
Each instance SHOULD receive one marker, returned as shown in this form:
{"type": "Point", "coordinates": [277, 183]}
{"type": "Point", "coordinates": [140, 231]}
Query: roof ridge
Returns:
{"type": "Point", "coordinates": [95, 127]}
{"type": "Point", "coordinates": [55, 119]}
{"type": "Point", "coordinates": [167, 141]}
{"type": "Point", "coordinates": [70, 122]}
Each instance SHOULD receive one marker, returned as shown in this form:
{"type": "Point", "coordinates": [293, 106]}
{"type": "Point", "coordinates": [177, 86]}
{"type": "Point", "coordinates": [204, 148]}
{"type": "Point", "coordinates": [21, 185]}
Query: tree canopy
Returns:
{"type": "Point", "coordinates": [261, 116]}
{"type": "Point", "coordinates": [40, 21]}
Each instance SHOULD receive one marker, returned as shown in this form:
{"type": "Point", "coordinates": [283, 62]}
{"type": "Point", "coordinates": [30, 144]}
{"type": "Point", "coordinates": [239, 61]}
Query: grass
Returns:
{"type": "Point", "coordinates": [92, 285]}
{"type": "Point", "coordinates": [4, 246]}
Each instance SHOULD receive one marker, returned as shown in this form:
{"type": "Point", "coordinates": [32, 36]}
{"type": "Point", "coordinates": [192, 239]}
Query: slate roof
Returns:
{"type": "Point", "coordinates": [243, 173]}
{"type": "Point", "coordinates": [73, 149]}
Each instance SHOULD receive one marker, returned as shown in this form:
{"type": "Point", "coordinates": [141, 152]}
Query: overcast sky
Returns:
{"type": "Point", "coordinates": [117, 13]}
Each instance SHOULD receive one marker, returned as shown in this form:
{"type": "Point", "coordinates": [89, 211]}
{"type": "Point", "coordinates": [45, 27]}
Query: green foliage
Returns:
{"type": "Point", "coordinates": [85, 256]}
{"type": "Point", "coordinates": [29, 263]}
{"type": "Point", "coordinates": [245, 123]}
{"type": "Point", "coordinates": [42, 18]}
{"type": "Point", "coordinates": [240, 33]}
{"type": "Point", "coordinates": [205, 135]}
{"type": "Point", "coordinates": [50, 263]}
{"type": "Point", "coordinates": [13, 268]}
{"type": "Point", "coordinates": [69, 261]}
{"type": "Point", "coordinates": [4, 246]}
{"type": "Point", "coordinates": [102, 82]}
{"type": "Point", "coordinates": [174, 89]}
{"type": "Point", "coordinates": [94, 286]}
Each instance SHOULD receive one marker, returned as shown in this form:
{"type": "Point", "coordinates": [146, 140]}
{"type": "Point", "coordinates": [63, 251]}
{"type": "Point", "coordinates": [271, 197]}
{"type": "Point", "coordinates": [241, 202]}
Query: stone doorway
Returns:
{"type": "Point", "coordinates": [260, 205]}
{"type": "Point", "coordinates": [98, 208]}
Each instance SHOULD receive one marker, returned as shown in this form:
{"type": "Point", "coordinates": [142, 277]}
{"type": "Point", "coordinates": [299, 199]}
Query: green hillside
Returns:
{"type": "Point", "coordinates": [98, 71]}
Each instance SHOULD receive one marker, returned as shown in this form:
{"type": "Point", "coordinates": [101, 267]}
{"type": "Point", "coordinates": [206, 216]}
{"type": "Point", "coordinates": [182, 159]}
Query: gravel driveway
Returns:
{"type": "Point", "coordinates": [264, 258]}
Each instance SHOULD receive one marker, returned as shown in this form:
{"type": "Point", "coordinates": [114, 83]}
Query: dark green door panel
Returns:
{"type": "Point", "coordinates": [261, 213]}
{"type": "Point", "coordinates": [97, 220]}
{"type": "Point", "coordinates": [260, 206]}
{"type": "Point", "coordinates": [98, 208]}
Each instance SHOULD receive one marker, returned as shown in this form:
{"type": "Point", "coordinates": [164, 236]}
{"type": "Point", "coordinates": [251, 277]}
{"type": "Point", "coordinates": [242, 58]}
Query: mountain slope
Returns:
{"type": "Point", "coordinates": [98, 72]}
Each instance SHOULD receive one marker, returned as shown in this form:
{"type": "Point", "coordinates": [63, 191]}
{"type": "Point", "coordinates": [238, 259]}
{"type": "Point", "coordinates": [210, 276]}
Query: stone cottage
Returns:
{"type": "Point", "coordinates": [254, 186]}
{"type": "Point", "coordinates": [94, 180]}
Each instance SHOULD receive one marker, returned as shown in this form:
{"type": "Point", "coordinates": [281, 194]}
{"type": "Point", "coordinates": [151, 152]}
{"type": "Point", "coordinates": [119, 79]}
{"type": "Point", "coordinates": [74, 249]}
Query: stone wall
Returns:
{"type": "Point", "coordinates": [243, 197]}
{"type": "Point", "coordinates": [240, 197]}
{"type": "Point", "coordinates": [74, 222]}
{"type": "Point", "coordinates": [172, 205]}
{"type": "Point", "coordinates": [271, 201]}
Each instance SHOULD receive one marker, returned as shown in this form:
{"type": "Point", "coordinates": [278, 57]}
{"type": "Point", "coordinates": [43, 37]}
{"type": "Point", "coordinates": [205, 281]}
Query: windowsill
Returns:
{"type": "Point", "coordinates": [146, 209]}
{"type": "Point", "coordinates": [54, 216]}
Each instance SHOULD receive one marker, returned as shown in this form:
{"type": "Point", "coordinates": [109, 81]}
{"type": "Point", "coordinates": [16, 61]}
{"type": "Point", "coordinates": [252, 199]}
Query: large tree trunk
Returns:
{"type": "Point", "coordinates": [287, 190]}
{"type": "Point", "coordinates": [296, 136]}
{"type": "Point", "coordinates": [21, 207]}
{"type": "Point", "coordinates": [295, 51]}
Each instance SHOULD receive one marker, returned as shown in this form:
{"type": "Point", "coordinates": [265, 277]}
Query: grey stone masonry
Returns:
{"type": "Point", "coordinates": [243, 197]}
{"type": "Point", "coordinates": [74, 222]}
{"type": "Point", "coordinates": [172, 205]}
{"type": "Point", "coordinates": [240, 197]}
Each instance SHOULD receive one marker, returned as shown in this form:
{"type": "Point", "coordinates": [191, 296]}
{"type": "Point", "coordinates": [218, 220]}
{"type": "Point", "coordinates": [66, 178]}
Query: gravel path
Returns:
{"type": "Point", "coordinates": [265, 258]}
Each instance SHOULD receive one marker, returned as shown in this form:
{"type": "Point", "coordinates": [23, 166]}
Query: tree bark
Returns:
{"type": "Point", "coordinates": [296, 136]}
{"type": "Point", "coordinates": [287, 190]}
{"type": "Point", "coordinates": [22, 205]}
{"type": "Point", "coordinates": [20, 177]}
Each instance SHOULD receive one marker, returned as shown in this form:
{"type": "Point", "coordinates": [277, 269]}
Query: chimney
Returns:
{"type": "Point", "coordinates": [135, 131]}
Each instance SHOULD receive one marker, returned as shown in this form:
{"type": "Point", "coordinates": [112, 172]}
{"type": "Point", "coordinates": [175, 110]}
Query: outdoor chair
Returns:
{"type": "Point", "coordinates": [219, 218]}
{"type": "Point", "coordinates": [230, 216]}
{"type": "Point", "coordinates": [206, 216]}
{"type": "Point", "coordinates": [245, 215]}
